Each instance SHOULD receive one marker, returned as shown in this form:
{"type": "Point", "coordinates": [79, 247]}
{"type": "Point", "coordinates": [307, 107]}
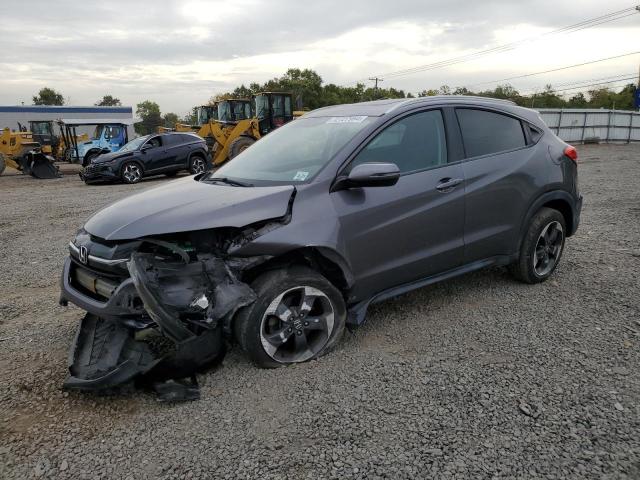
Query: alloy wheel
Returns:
{"type": "Point", "coordinates": [297, 324]}
{"type": "Point", "coordinates": [548, 249]}
{"type": "Point", "coordinates": [132, 173]}
{"type": "Point", "coordinates": [197, 166]}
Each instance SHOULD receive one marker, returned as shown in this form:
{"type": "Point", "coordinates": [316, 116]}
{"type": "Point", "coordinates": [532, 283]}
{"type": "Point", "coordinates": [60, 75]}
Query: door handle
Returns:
{"type": "Point", "coordinates": [448, 184]}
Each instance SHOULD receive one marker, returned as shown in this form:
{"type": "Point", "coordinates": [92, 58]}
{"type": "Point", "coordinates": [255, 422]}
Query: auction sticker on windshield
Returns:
{"type": "Point", "coordinates": [354, 119]}
{"type": "Point", "coordinates": [301, 176]}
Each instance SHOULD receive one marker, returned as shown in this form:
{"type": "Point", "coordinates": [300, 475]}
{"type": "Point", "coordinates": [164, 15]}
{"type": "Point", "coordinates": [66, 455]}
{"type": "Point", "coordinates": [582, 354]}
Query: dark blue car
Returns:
{"type": "Point", "coordinates": [166, 153]}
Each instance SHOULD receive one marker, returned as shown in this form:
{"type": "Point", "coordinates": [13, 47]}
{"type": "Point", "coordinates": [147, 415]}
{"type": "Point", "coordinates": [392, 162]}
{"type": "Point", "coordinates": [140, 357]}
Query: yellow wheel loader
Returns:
{"type": "Point", "coordinates": [19, 150]}
{"type": "Point", "coordinates": [242, 122]}
{"type": "Point", "coordinates": [42, 132]}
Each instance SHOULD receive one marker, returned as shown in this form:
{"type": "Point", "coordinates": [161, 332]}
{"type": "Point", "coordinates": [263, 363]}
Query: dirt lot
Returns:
{"type": "Point", "coordinates": [479, 377]}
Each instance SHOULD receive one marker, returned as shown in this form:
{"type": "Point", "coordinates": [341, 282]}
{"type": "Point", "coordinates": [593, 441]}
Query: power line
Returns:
{"type": "Point", "coordinates": [610, 77]}
{"type": "Point", "coordinates": [502, 48]}
{"type": "Point", "coordinates": [610, 17]}
{"type": "Point", "coordinates": [553, 70]}
{"type": "Point", "coordinates": [590, 85]}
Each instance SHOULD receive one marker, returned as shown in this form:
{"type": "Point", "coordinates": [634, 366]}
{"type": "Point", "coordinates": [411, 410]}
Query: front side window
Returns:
{"type": "Point", "coordinates": [287, 106]}
{"type": "Point", "coordinates": [278, 106]}
{"type": "Point", "coordinates": [155, 142]}
{"type": "Point", "coordinates": [241, 110]}
{"type": "Point", "coordinates": [224, 112]}
{"type": "Point", "coordinates": [41, 128]}
{"type": "Point", "coordinates": [416, 142]}
{"type": "Point", "coordinates": [485, 132]}
{"type": "Point", "coordinates": [262, 106]}
{"type": "Point", "coordinates": [134, 144]}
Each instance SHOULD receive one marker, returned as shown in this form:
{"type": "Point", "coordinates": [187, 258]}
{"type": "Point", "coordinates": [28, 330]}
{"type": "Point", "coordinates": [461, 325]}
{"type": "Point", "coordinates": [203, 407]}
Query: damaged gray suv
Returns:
{"type": "Point", "coordinates": [287, 244]}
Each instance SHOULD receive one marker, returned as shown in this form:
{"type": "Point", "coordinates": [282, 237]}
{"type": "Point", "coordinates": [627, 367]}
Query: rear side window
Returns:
{"type": "Point", "coordinates": [172, 139]}
{"type": "Point", "coordinates": [416, 142]}
{"type": "Point", "coordinates": [486, 132]}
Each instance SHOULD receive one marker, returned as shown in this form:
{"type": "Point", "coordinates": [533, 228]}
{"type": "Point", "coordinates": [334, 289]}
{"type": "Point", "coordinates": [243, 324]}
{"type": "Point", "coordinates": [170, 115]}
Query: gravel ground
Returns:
{"type": "Point", "coordinates": [479, 377]}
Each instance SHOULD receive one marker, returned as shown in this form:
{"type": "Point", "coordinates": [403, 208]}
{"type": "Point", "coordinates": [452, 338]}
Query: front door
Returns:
{"type": "Point", "coordinates": [156, 155]}
{"type": "Point", "coordinates": [414, 229]}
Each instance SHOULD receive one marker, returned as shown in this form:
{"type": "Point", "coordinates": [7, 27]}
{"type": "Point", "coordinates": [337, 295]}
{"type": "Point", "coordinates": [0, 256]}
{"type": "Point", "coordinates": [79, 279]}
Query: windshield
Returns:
{"type": "Point", "coordinates": [134, 144]}
{"type": "Point", "coordinates": [206, 113]}
{"type": "Point", "coordinates": [295, 152]}
{"type": "Point", "coordinates": [41, 128]}
{"type": "Point", "coordinates": [262, 106]}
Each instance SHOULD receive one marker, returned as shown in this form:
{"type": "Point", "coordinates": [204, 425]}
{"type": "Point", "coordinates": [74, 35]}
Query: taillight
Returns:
{"type": "Point", "coordinates": [572, 153]}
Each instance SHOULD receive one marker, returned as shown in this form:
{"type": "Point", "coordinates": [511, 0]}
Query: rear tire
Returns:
{"type": "Point", "coordinates": [311, 318]}
{"type": "Point", "coordinates": [239, 145]}
{"type": "Point", "coordinates": [131, 173]}
{"type": "Point", "coordinates": [541, 247]}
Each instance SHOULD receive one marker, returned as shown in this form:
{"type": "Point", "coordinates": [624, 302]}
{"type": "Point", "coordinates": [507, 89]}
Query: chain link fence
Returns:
{"type": "Point", "coordinates": [596, 125]}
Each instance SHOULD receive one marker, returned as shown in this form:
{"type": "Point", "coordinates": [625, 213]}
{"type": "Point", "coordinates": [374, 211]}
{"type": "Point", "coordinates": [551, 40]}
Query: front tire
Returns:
{"type": "Point", "coordinates": [239, 145]}
{"type": "Point", "coordinates": [298, 316]}
{"type": "Point", "coordinates": [197, 165]}
{"type": "Point", "coordinates": [541, 247]}
{"type": "Point", "coordinates": [131, 173]}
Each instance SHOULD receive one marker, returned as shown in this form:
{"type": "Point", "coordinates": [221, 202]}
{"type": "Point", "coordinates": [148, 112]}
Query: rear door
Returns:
{"type": "Point", "coordinates": [502, 174]}
{"type": "Point", "coordinates": [414, 229]}
{"type": "Point", "coordinates": [173, 149]}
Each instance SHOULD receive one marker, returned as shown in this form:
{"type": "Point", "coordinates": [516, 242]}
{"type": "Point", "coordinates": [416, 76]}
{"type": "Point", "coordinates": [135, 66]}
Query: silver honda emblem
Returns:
{"type": "Point", "coordinates": [83, 254]}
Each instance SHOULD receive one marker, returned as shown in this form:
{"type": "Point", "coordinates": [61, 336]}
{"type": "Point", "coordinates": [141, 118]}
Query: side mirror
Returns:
{"type": "Point", "coordinates": [146, 147]}
{"type": "Point", "coordinates": [369, 175]}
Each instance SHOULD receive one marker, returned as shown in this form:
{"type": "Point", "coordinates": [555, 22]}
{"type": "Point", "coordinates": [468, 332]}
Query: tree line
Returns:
{"type": "Point", "coordinates": [310, 92]}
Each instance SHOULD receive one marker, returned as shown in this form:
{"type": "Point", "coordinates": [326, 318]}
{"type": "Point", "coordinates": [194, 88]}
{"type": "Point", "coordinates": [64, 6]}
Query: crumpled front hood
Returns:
{"type": "Point", "coordinates": [107, 157]}
{"type": "Point", "coordinates": [187, 205]}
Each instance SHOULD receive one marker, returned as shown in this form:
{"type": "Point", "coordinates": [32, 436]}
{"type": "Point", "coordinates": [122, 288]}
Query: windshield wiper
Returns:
{"type": "Point", "coordinates": [228, 181]}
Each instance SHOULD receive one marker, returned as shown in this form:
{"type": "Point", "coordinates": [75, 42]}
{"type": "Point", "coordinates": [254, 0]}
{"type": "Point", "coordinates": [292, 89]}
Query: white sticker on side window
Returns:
{"type": "Point", "coordinates": [301, 176]}
{"type": "Point", "coordinates": [355, 119]}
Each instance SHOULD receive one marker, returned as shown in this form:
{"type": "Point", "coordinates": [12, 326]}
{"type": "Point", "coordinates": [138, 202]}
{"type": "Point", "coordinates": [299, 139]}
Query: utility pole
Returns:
{"type": "Point", "coordinates": [376, 79]}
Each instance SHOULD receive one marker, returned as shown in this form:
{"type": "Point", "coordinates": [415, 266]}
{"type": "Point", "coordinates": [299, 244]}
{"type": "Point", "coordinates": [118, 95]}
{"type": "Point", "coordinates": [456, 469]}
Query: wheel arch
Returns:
{"type": "Point", "coordinates": [559, 200]}
{"type": "Point", "coordinates": [91, 152]}
{"type": "Point", "coordinates": [326, 261]}
{"type": "Point", "coordinates": [197, 153]}
{"type": "Point", "coordinates": [131, 160]}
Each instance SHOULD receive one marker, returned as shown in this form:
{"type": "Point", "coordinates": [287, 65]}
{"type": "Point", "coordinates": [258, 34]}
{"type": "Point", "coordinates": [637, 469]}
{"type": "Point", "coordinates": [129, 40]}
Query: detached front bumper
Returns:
{"type": "Point", "coordinates": [187, 302]}
{"type": "Point", "coordinates": [124, 302]}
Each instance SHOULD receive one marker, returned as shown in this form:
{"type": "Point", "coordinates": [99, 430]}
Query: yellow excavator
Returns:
{"type": "Point", "coordinates": [239, 123]}
{"type": "Point", "coordinates": [20, 151]}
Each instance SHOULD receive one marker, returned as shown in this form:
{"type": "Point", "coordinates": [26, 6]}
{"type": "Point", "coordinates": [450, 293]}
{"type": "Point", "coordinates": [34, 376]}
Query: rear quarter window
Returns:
{"type": "Point", "coordinates": [189, 138]}
{"type": "Point", "coordinates": [485, 132]}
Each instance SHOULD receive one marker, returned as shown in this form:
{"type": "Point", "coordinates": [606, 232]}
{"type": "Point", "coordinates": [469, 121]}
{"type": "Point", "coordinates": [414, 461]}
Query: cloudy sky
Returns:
{"type": "Point", "coordinates": [180, 53]}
